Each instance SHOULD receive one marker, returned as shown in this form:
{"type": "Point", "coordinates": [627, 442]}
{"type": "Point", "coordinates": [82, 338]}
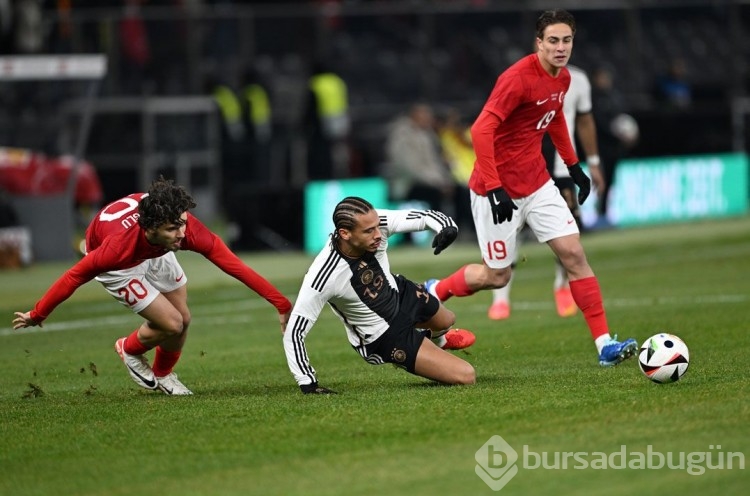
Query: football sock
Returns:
{"type": "Point", "coordinates": [588, 297]}
{"type": "Point", "coordinates": [133, 345]}
{"type": "Point", "coordinates": [453, 285]}
{"type": "Point", "coordinates": [561, 276]}
{"type": "Point", "coordinates": [601, 341]}
{"type": "Point", "coordinates": [503, 294]}
{"type": "Point", "coordinates": [164, 361]}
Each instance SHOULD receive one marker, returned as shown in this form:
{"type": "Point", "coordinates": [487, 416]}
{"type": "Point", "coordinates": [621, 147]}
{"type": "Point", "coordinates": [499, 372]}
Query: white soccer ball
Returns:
{"type": "Point", "coordinates": [664, 358]}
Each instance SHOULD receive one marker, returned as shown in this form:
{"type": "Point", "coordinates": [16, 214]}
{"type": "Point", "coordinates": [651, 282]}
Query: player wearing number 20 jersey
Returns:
{"type": "Point", "coordinates": [115, 241]}
{"type": "Point", "coordinates": [130, 247]}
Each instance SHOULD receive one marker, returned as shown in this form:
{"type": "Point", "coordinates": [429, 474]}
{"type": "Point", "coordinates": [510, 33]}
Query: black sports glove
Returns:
{"type": "Point", "coordinates": [315, 389]}
{"type": "Point", "coordinates": [582, 181]}
{"type": "Point", "coordinates": [501, 204]}
{"type": "Point", "coordinates": [444, 238]}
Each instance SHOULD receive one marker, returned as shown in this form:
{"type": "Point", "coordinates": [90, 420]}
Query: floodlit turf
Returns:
{"type": "Point", "coordinates": [73, 423]}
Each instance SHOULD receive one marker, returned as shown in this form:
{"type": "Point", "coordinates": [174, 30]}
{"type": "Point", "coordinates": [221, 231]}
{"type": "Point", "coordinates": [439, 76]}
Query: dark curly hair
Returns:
{"type": "Point", "coordinates": [164, 204]}
{"type": "Point", "coordinates": [551, 17]}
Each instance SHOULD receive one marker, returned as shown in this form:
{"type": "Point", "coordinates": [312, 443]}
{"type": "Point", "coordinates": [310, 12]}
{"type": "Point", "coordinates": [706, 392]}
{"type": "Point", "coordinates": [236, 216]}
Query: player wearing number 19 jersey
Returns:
{"type": "Point", "coordinates": [528, 101]}
{"type": "Point", "coordinates": [510, 184]}
{"type": "Point", "coordinates": [130, 247]}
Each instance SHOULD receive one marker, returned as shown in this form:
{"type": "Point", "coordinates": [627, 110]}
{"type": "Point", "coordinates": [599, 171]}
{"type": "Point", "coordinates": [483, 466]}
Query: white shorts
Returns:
{"type": "Point", "coordinates": [137, 287]}
{"type": "Point", "coordinates": [545, 211]}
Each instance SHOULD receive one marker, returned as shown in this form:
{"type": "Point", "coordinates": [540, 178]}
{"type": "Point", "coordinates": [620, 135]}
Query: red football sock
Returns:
{"type": "Point", "coordinates": [453, 285]}
{"type": "Point", "coordinates": [133, 345]}
{"type": "Point", "coordinates": [164, 361]}
{"type": "Point", "coordinates": [588, 297]}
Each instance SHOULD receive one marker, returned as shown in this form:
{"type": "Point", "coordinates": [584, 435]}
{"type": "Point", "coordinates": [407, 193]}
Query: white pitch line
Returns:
{"type": "Point", "coordinates": [634, 302]}
{"type": "Point", "coordinates": [209, 310]}
{"type": "Point", "coordinates": [202, 310]}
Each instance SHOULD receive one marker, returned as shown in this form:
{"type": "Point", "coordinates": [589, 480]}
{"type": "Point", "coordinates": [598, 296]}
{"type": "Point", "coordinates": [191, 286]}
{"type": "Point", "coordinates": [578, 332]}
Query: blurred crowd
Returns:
{"type": "Point", "coordinates": [387, 92]}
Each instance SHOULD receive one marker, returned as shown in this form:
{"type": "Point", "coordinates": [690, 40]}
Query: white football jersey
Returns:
{"type": "Point", "coordinates": [362, 292]}
{"type": "Point", "coordinates": [577, 101]}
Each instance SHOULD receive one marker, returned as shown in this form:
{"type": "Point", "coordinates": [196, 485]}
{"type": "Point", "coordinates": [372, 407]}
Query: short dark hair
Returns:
{"type": "Point", "coordinates": [164, 203]}
{"type": "Point", "coordinates": [557, 16]}
{"type": "Point", "coordinates": [346, 210]}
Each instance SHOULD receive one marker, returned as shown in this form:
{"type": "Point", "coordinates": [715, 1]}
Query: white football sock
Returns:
{"type": "Point", "coordinates": [503, 294]}
{"type": "Point", "coordinates": [561, 276]}
{"type": "Point", "coordinates": [601, 341]}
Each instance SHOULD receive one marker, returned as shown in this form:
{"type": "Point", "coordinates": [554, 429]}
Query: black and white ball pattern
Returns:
{"type": "Point", "coordinates": [664, 358]}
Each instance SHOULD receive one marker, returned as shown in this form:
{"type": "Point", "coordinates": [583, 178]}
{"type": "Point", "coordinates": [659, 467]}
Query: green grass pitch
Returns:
{"type": "Point", "coordinates": [73, 423]}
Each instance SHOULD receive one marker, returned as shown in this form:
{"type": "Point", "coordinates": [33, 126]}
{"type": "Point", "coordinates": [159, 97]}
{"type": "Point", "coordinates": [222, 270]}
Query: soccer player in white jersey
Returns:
{"type": "Point", "coordinates": [577, 109]}
{"type": "Point", "coordinates": [388, 318]}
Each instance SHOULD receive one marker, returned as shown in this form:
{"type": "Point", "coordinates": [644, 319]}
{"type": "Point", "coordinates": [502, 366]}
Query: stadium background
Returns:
{"type": "Point", "coordinates": [73, 421]}
{"type": "Point", "coordinates": [390, 53]}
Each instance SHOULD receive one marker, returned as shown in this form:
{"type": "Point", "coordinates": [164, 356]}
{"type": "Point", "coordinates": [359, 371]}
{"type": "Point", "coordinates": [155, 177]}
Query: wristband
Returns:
{"type": "Point", "coordinates": [593, 161]}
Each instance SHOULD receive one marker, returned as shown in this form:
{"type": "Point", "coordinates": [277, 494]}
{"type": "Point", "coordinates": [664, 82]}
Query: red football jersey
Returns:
{"type": "Point", "coordinates": [528, 101]}
{"type": "Point", "coordinates": [115, 241]}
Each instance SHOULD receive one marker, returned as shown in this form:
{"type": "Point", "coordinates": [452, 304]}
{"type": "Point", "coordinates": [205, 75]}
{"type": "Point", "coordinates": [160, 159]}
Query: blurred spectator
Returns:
{"type": "Point", "coordinates": [673, 88]}
{"type": "Point", "coordinates": [415, 166]}
{"type": "Point", "coordinates": [28, 30]}
{"type": "Point", "coordinates": [327, 124]}
{"type": "Point", "coordinates": [235, 169]}
{"type": "Point", "coordinates": [135, 48]}
{"type": "Point", "coordinates": [455, 140]}
{"type": "Point", "coordinates": [616, 130]}
{"type": "Point", "coordinates": [257, 115]}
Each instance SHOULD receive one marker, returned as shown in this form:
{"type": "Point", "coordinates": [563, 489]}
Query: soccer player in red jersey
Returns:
{"type": "Point", "coordinates": [510, 184]}
{"type": "Point", "coordinates": [130, 250]}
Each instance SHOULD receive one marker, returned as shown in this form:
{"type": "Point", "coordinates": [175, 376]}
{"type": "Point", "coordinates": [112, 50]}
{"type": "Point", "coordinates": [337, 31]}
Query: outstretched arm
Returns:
{"type": "Point", "coordinates": [296, 356]}
{"type": "Point", "coordinates": [296, 351]}
{"type": "Point", "coordinates": [400, 221]}
{"type": "Point", "coordinates": [308, 305]}
{"type": "Point", "coordinates": [82, 272]}
{"type": "Point", "coordinates": [223, 258]}
{"type": "Point", "coordinates": [23, 319]}
{"type": "Point", "coordinates": [202, 240]}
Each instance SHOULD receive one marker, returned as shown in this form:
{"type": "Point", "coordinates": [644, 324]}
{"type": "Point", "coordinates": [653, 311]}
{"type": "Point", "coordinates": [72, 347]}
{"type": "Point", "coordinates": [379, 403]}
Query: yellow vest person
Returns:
{"type": "Point", "coordinates": [259, 111]}
{"type": "Point", "coordinates": [332, 104]}
{"type": "Point", "coordinates": [231, 111]}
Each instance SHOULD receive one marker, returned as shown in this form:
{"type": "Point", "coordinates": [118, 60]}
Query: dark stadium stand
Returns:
{"type": "Point", "coordinates": [392, 54]}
